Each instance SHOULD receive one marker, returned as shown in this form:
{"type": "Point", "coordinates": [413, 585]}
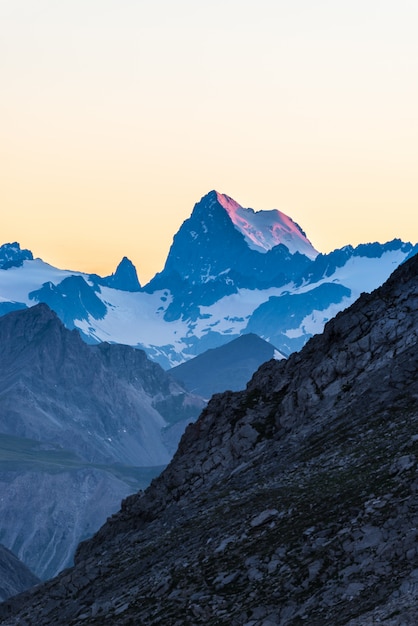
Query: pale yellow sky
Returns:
{"type": "Point", "coordinates": [118, 115]}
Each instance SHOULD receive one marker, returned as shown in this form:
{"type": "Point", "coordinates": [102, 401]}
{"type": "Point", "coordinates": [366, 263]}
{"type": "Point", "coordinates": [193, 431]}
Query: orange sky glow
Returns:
{"type": "Point", "coordinates": [118, 115]}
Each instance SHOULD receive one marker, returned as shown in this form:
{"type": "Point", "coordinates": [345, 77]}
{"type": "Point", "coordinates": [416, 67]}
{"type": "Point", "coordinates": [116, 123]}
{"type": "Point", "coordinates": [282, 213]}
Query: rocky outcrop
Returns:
{"type": "Point", "coordinates": [294, 501]}
{"type": "Point", "coordinates": [72, 299]}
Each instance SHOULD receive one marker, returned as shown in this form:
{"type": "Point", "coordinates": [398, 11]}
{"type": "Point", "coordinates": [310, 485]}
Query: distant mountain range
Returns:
{"type": "Point", "coordinates": [81, 427]}
{"type": "Point", "coordinates": [230, 271]}
{"type": "Point", "coordinates": [294, 501]}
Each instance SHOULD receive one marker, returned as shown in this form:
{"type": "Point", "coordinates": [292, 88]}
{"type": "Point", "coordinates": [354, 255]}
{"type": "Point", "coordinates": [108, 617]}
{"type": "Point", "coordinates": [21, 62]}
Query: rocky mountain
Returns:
{"type": "Point", "coordinates": [223, 247]}
{"type": "Point", "coordinates": [228, 367]}
{"type": "Point", "coordinates": [72, 299]}
{"type": "Point", "coordinates": [81, 427]}
{"type": "Point", "coordinates": [293, 501]}
{"type": "Point", "coordinates": [11, 255]}
{"type": "Point", "coordinates": [14, 575]}
{"type": "Point", "coordinates": [230, 271]}
{"type": "Point", "coordinates": [124, 278]}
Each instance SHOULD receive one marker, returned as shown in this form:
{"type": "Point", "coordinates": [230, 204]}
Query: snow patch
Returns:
{"type": "Point", "coordinates": [18, 282]}
{"type": "Point", "coordinates": [239, 308]}
{"type": "Point", "coordinates": [278, 356]}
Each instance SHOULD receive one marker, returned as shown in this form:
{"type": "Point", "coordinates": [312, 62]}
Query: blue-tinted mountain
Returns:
{"type": "Point", "coordinates": [210, 258]}
{"type": "Point", "coordinates": [228, 367]}
{"type": "Point", "coordinates": [72, 299]}
{"type": "Point", "coordinates": [11, 255]}
{"type": "Point", "coordinates": [108, 403]}
{"type": "Point", "coordinates": [7, 307]}
{"type": "Point", "coordinates": [281, 318]}
{"type": "Point", "coordinates": [325, 265]}
{"type": "Point", "coordinates": [125, 278]}
{"type": "Point", "coordinates": [412, 252]}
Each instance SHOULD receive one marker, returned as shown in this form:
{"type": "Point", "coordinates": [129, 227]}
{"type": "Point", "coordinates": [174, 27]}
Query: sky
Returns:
{"type": "Point", "coordinates": [119, 115]}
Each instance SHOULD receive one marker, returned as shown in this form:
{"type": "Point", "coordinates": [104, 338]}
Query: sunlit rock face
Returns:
{"type": "Point", "coordinates": [263, 230]}
{"type": "Point", "coordinates": [295, 500]}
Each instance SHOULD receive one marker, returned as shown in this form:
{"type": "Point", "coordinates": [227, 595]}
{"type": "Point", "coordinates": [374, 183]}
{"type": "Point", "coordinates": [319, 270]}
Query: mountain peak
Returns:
{"type": "Point", "coordinates": [263, 230]}
{"type": "Point", "coordinates": [41, 313]}
{"type": "Point", "coordinates": [28, 326]}
{"type": "Point", "coordinates": [125, 276]}
{"type": "Point", "coordinates": [12, 255]}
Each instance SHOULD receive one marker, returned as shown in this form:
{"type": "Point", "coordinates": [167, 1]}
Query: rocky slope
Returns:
{"type": "Point", "coordinates": [294, 501]}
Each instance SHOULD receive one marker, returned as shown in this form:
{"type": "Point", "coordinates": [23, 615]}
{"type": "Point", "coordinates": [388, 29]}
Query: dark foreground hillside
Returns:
{"type": "Point", "coordinates": [293, 502]}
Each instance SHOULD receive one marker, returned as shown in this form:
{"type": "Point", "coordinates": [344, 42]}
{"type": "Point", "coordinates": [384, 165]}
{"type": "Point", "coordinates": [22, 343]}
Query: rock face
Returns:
{"type": "Point", "coordinates": [14, 575]}
{"type": "Point", "coordinates": [81, 427]}
{"type": "Point", "coordinates": [294, 501]}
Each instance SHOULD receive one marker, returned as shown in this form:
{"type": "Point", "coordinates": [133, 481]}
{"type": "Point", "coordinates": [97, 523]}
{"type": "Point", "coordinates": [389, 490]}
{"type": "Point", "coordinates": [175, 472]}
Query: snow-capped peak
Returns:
{"type": "Point", "coordinates": [265, 229]}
